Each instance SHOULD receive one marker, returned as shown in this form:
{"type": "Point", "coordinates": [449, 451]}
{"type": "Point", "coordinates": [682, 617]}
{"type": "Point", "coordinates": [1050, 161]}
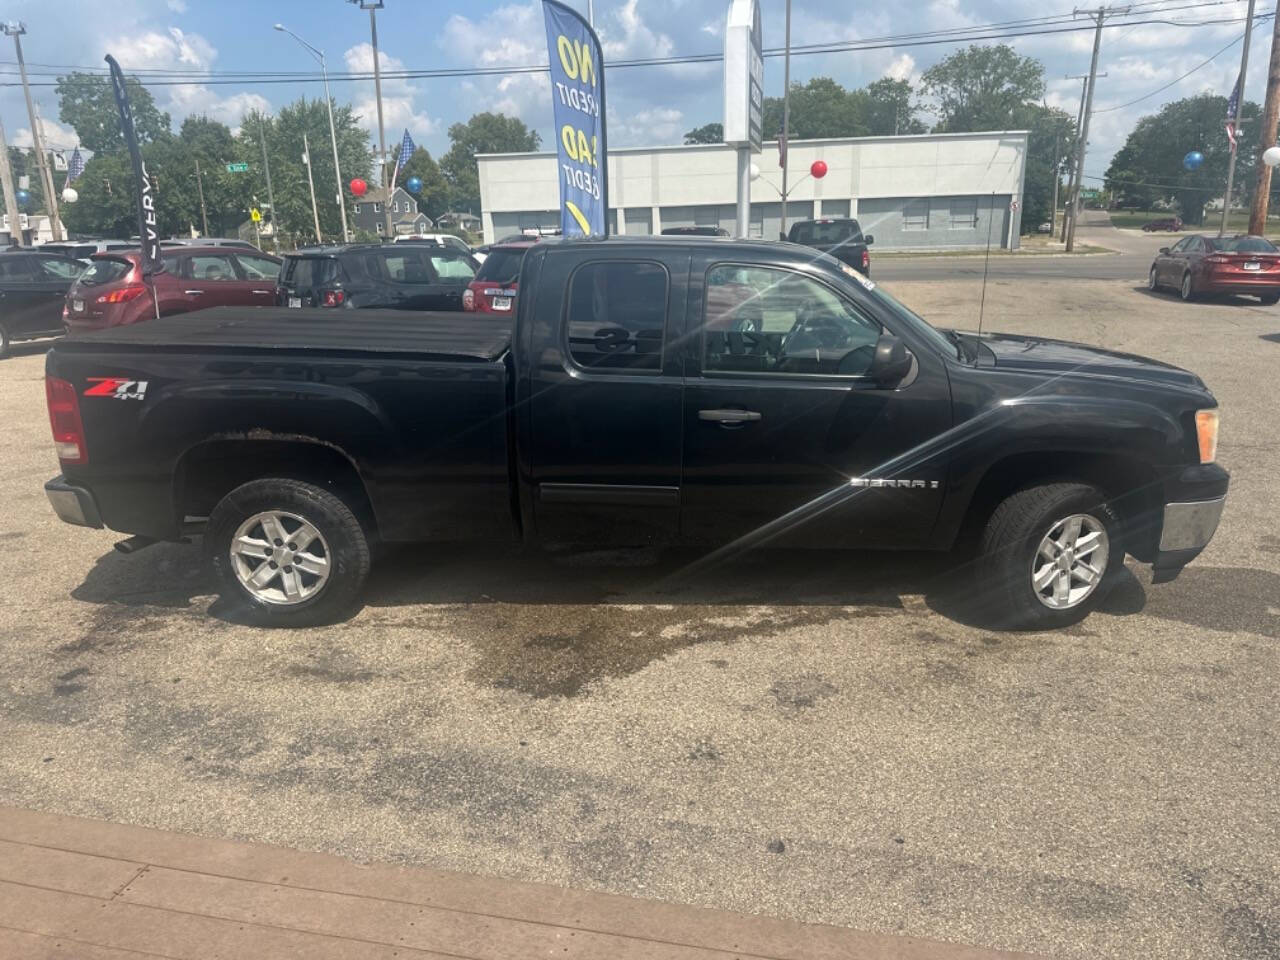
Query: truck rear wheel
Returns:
{"type": "Point", "coordinates": [287, 553]}
{"type": "Point", "coordinates": [1050, 553]}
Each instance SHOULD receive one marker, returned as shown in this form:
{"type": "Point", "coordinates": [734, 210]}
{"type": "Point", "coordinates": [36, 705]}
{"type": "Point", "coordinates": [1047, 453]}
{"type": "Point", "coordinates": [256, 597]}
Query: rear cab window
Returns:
{"type": "Point", "coordinates": [617, 314]}
{"type": "Point", "coordinates": [502, 266]}
{"type": "Point", "coordinates": [826, 231]}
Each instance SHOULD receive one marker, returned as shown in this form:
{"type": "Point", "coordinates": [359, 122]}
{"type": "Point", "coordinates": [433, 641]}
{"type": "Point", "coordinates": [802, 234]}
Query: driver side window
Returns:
{"type": "Point", "coordinates": [765, 320]}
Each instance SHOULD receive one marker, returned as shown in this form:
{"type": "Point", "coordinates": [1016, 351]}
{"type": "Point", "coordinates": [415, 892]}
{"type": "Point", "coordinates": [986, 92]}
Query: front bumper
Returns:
{"type": "Point", "coordinates": [1190, 521]}
{"type": "Point", "coordinates": [73, 504]}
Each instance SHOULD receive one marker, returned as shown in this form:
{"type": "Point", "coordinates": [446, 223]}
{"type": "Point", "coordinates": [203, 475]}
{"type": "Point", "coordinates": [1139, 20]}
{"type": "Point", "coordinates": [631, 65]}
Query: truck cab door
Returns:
{"type": "Point", "coordinates": [600, 399]}
{"type": "Point", "coordinates": [786, 437]}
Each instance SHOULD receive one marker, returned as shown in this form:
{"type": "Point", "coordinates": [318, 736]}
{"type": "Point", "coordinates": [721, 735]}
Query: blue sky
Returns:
{"type": "Point", "coordinates": [646, 105]}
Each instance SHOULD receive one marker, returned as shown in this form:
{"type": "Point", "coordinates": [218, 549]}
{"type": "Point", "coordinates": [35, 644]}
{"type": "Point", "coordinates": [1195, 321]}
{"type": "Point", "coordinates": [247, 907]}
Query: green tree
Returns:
{"type": "Point", "coordinates": [889, 109]}
{"type": "Point", "coordinates": [85, 101]}
{"type": "Point", "coordinates": [819, 108]}
{"type": "Point", "coordinates": [707, 133]}
{"type": "Point", "coordinates": [1051, 141]}
{"type": "Point", "coordinates": [981, 87]}
{"type": "Point", "coordinates": [483, 133]}
{"type": "Point", "coordinates": [106, 207]}
{"type": "Point", "coordinates": [433, 199]}
{"type": "Point", "coordinates": [1149, 165]}
{"type": "Point", "coordinates": [22, 163]}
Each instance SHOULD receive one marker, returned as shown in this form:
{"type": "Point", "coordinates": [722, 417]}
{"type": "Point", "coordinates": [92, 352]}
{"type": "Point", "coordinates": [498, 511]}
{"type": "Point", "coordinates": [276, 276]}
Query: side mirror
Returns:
{"type": "Point", "coordinates": [1164, 249]}
{"type": "Point", "coordinates": [892, 361]}
{"type": "Point", "coordinates": [868, 239]}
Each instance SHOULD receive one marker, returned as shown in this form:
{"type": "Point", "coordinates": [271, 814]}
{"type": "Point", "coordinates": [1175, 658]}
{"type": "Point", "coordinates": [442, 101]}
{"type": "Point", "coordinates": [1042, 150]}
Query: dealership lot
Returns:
{"type": "Point", "coordinates": [804, 735]}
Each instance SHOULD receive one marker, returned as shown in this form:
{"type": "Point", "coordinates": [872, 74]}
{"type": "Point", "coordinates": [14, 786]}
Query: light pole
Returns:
{"type": "Point", "coordinates": [16, 29]}
{"type": "Point", "coordinates": [306, 158]}
{"type": "Point", "coordinates": [333, 135]}
{"type": "Point", "coordinates": [373, 6]}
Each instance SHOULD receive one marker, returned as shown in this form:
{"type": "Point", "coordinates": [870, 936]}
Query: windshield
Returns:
{"type": "Point", "coordinates": [1249, 245]}
{"type": "Point", "coordinates": [826, 231]}
{"type": "Point", "coordinates": [502, 266]}
{"type": "Point", "coordinates": [104, 270]}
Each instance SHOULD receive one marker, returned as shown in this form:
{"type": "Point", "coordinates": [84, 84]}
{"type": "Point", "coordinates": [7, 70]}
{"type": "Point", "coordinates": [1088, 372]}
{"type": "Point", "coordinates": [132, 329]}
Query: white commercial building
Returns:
{"type": "Point", "coordinates": [913, 192]}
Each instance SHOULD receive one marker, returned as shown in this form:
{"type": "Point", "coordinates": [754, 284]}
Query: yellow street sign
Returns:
{"type": "Point", "coordinates": [255, 215]}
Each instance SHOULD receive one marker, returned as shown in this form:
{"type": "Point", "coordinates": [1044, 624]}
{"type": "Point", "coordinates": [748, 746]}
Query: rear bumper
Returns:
{"type": "Point", "coordinates": [1262, 283]}
{"type": "Point", "coordinates": [1190, 518]}
{"type": "Point", "coordinates": [73, 504]}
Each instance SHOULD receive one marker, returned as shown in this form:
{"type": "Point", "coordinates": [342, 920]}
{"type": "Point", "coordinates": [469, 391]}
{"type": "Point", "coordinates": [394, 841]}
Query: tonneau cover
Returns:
{"type": "Point", "coordinates": [465, 336]}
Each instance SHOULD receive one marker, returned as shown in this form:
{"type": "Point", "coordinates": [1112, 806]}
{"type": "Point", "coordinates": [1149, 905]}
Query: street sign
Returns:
{"type": "Point", "coordinates": [255, 215]}
{"type": "Point", "coordinates": [237, 168]}
{"type": "Point", "coordinates": [743, 75]}
{"type": "Point", "coordinates": [1014, 205]}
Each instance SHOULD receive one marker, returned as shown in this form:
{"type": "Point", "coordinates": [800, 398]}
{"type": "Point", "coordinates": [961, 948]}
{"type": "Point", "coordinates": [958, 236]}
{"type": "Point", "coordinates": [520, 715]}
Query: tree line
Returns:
{"type": "Point", "coordinates": [107, 207]}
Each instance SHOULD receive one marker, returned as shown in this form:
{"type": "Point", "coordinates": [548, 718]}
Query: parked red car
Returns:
{"type": "Point", "coordinates": [110, 292]}
{"type": "Point", "coordinates": [494, 288]}
{"type": "Point", "coordinates": [1171, 224]}
{"type": "Point", "coordinates": [1198, 265]}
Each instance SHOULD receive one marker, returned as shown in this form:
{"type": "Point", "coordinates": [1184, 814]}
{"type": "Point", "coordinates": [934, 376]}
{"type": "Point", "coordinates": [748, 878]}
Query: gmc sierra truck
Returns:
{"type": "Point", "coordinates": [644, 390]}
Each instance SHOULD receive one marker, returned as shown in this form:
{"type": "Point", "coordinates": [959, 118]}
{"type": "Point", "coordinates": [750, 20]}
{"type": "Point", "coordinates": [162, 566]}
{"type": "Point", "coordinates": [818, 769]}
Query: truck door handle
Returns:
{"type": "Point", "coordinates": [264, 292]}
{"type": "Point", "coordinates": [729, 417]}
{"type": "Point", "coordinates": [192, 292]}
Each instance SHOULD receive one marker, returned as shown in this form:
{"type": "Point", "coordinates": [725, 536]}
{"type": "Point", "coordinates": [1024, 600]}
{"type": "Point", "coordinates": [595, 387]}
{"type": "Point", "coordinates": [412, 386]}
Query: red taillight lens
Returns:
{"type": "Point", "coordinates": [333, 298]}
{"type": "Point", "coordinates": [64, 418]}
{"type": "Point", "coordinates": [469, 299]}
{"type": "Point", "coordinates": [1217, 258]}
{"type": "Point", "coordinates": [123, 294]}
{"type": "Point", "coordinates": [866, 259]}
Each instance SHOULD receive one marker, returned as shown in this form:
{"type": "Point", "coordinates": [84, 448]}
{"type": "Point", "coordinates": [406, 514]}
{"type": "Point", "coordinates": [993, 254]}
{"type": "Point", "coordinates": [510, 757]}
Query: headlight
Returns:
{"type": "Point", "coordinates": [1207, 434]}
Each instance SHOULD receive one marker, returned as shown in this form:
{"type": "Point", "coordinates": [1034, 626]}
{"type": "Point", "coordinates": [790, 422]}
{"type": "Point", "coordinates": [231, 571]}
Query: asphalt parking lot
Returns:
{"type": "Point", "coordinates": [803, 735]}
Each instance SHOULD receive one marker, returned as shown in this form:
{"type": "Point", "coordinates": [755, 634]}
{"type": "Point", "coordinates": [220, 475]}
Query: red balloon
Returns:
{"type": "Point", "coordinates": [818, 169]}
{"type": "Point", "coordinates": [358, 187]}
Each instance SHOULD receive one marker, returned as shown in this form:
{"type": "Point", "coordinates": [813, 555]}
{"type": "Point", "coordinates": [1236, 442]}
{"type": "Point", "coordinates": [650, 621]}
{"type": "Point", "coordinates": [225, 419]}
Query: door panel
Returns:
{"type": "Point", "coordinates": [603, 408]}
{"type": "Point", "coordinates": [784, 439]}
{"type": "Point", "coordinates": [212, 280]}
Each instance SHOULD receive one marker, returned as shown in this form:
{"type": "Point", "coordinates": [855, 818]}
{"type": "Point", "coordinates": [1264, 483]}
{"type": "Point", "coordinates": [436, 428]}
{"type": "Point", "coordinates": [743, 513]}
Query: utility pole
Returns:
{"type": "Point", "coordinates": [1100, 17]}
{"type": "Point", "coordinates": [306, 158]}
{"type": "Point", "coordinates": [1071, 174]}
{"type": "Point", "coordinates": [271, 197]}
{"type": "Point", "coordinates": [16, 29]}
{"type": "Point", "coordinates": [1057, 176]}
{"type": "Point", "coordinates": [786, 117]}
{"type": "Point", "coordinates": [204, 214]}
{"type": "Point", "coordinates": [591, 13]}
{"type": "Point", "coordinates": [373, 6]}
{"type": "Point", "coordinates": [1267, 135]}
{"type": "Point", "coordinates": [10, 197]}
{"type": "Point", "coordinates": [1244, 72]}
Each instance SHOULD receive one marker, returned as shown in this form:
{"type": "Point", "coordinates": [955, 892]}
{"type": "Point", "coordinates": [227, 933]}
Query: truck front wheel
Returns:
{"type": "Point", "coordinates": [1050, 553]}
{"type": "Point", "coordinates": [288, 553]}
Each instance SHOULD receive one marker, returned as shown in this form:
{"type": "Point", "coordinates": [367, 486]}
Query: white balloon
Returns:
{"type": "Point", "coordinates": [755, 172]}
{"type": "Point", "coordinates": [70, 195]}
{"type": "Point", "coordinates": [1271, 156]}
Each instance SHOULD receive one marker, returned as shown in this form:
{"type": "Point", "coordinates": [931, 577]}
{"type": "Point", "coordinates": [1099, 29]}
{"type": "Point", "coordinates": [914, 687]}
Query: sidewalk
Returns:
{"type": "Point", "coordinates": [86, 890]}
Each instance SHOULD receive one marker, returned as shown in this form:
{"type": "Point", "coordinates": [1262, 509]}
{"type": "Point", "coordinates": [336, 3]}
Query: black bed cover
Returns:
{"type": "Point", "coordinates": [455, 336]}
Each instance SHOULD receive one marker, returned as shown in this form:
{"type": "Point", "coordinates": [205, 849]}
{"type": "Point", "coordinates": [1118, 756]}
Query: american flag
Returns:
{"type": "Point", "coordinates": [76, 166]}
{"type": "Point", "coordinates": [406, 151]}
{"type": "Point", "coordinates": [1233, 111]}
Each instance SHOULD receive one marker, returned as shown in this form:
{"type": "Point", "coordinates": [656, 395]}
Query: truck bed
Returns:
{"type": "Point", "coordinates": [448, 336]}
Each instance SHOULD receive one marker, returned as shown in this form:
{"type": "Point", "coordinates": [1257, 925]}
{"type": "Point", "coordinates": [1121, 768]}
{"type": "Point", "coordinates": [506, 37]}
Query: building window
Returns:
{"type": "Point", "coordinates": [357, 208]}
{"type": "Point", "coordinates": [377, 208]}
{"type": "Point", "coordinates": [964, 213]}
{"type": "Point", "coordinates": [915, 215]}
{"type": "Point", "coordinates": [380, 226]}
{"type": "Point", "coordinates": [617, 314]}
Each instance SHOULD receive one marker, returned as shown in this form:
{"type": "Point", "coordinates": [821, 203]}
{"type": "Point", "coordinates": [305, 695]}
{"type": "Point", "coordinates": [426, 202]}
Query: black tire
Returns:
{"type": "Point", "coordinates": [1188, 288]}
{"type": "Point", "coordinates": [1153, 284]}
{"type": "Point", "coordinates": [346, 550]}
{"type": "Point", "coordinates": [5, 343]}
{"type": "Point", "coordinates": [1009, 548]}
{"type": "Point", "coordinates": [1270, 299]}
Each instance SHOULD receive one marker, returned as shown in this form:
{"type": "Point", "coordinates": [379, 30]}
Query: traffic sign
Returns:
{"type": "Point", "coordinates": [255, 215]}
{"type": "Point", "coordinates": [1014, 205]}
{"type": "Point", "coordinates": [237, 168]}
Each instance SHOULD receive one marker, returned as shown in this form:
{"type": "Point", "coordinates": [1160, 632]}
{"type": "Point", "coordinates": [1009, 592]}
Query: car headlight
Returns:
{"type": "Point", "coordinates": [1207, 434]}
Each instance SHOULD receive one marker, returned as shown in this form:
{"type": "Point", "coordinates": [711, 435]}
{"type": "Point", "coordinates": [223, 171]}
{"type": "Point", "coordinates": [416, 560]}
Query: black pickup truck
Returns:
{"type": "Point", "coordinates": [700, 390]}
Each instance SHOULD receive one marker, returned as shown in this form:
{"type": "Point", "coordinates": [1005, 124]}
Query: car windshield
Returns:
{"type": "Point", "coordinates": [104, 270]}
{"type": "Point", "coordinates": [502, 265]}
{"type": "Point", "coordinates": [826, 231]}
{"type": "Point", "coordinates": [1249, 245]}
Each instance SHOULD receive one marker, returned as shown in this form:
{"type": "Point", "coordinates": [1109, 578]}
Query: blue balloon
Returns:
{"type": "Point", "coordinates": [23, 197]}
{"type": "Point", "coordinates": [413, 185]}
{"type": "Point", "coordinates": [1193, 160]}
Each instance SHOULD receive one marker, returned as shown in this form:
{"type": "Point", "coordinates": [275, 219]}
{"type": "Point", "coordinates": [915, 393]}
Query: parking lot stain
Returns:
{"type": "Point", "coordinates": [68, 689]}
{"type": "Point", "coordinates": [556, 650]}
{"type": "Point", "coordinates": [803, 692]}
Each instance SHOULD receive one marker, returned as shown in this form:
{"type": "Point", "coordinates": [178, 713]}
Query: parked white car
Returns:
{"type": "Point", "coordinates": [441, 239]}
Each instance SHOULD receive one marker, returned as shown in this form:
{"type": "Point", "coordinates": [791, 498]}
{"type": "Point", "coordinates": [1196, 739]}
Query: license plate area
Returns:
{"type": "Point", "coordinates": [295, 301]}
{"type": "Point", "coordinates": [1252, 265]}
{"type": "Point", "coordinates": [502, 303]}
{"type": "Point", "coordinates": [77, 306]}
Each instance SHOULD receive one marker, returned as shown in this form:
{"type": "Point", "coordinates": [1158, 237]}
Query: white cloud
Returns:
{"type": "Point", "coordinates": [512, 35]}
{"type": "Point", "coordinates": [56, 136]}
{"type": "Point", "coordinates": [178, 6]}
{"type": "Point", "coordinates": [660, 125]}
{"type": "Point", "coordinates": [399, 109]}
{"type": "Point", "coordinates": [903, 67]}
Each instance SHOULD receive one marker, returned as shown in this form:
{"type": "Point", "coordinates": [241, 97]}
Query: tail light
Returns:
{"type": "Point", "coordinates": [1217, 258]}
{"type": "Point", "coordinates": [866, 259]}
{"type": "Point", "coordinates": [333, 298]}
{"type": "Point", "coordinates": [123, 294]}
{"type": "Point", "coordinates": [64, 418]}
{"type": "Point", "coordinates": [468, 299]}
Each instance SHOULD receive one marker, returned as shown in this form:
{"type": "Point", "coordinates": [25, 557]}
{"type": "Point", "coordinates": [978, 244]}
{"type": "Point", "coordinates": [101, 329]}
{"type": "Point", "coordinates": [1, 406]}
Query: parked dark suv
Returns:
{"type": "Point", "coordinates": [841, 237]}
{"type": "Point", "coordinates": [33, 286]}
{"type": "Point", "coordinates": [403, 276]}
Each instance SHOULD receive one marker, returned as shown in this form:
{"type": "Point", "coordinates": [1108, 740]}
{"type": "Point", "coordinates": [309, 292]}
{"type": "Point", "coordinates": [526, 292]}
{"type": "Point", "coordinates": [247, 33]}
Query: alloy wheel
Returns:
{"type": "Point", "coordinates": [280, 558]}
{"type": "Point", "coordinates": [1070, 561]}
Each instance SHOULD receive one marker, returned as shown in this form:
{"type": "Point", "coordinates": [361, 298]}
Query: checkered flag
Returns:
{"type": "Point", "coordinates": [406, 150]}
{"type": "Point", "coordinates": [1233, 111]}
{"type": "Point", "coordinates": [76, 166]}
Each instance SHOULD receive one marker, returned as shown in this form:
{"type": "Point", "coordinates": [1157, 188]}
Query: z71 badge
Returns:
{"type": "Point", "coordinates": [117, 387]}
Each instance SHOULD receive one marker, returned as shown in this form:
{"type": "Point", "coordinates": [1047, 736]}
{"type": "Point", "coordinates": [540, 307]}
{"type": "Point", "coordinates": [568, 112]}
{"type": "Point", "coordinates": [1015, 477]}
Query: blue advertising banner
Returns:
{"type": "Point", "coordinates": [577, 99]}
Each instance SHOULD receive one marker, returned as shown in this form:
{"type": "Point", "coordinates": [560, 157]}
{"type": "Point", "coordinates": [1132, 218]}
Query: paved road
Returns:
{"type": "Point", "coordinates": [809, 736]}
{"type": "Point", "coordinates": [1135, 251]}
